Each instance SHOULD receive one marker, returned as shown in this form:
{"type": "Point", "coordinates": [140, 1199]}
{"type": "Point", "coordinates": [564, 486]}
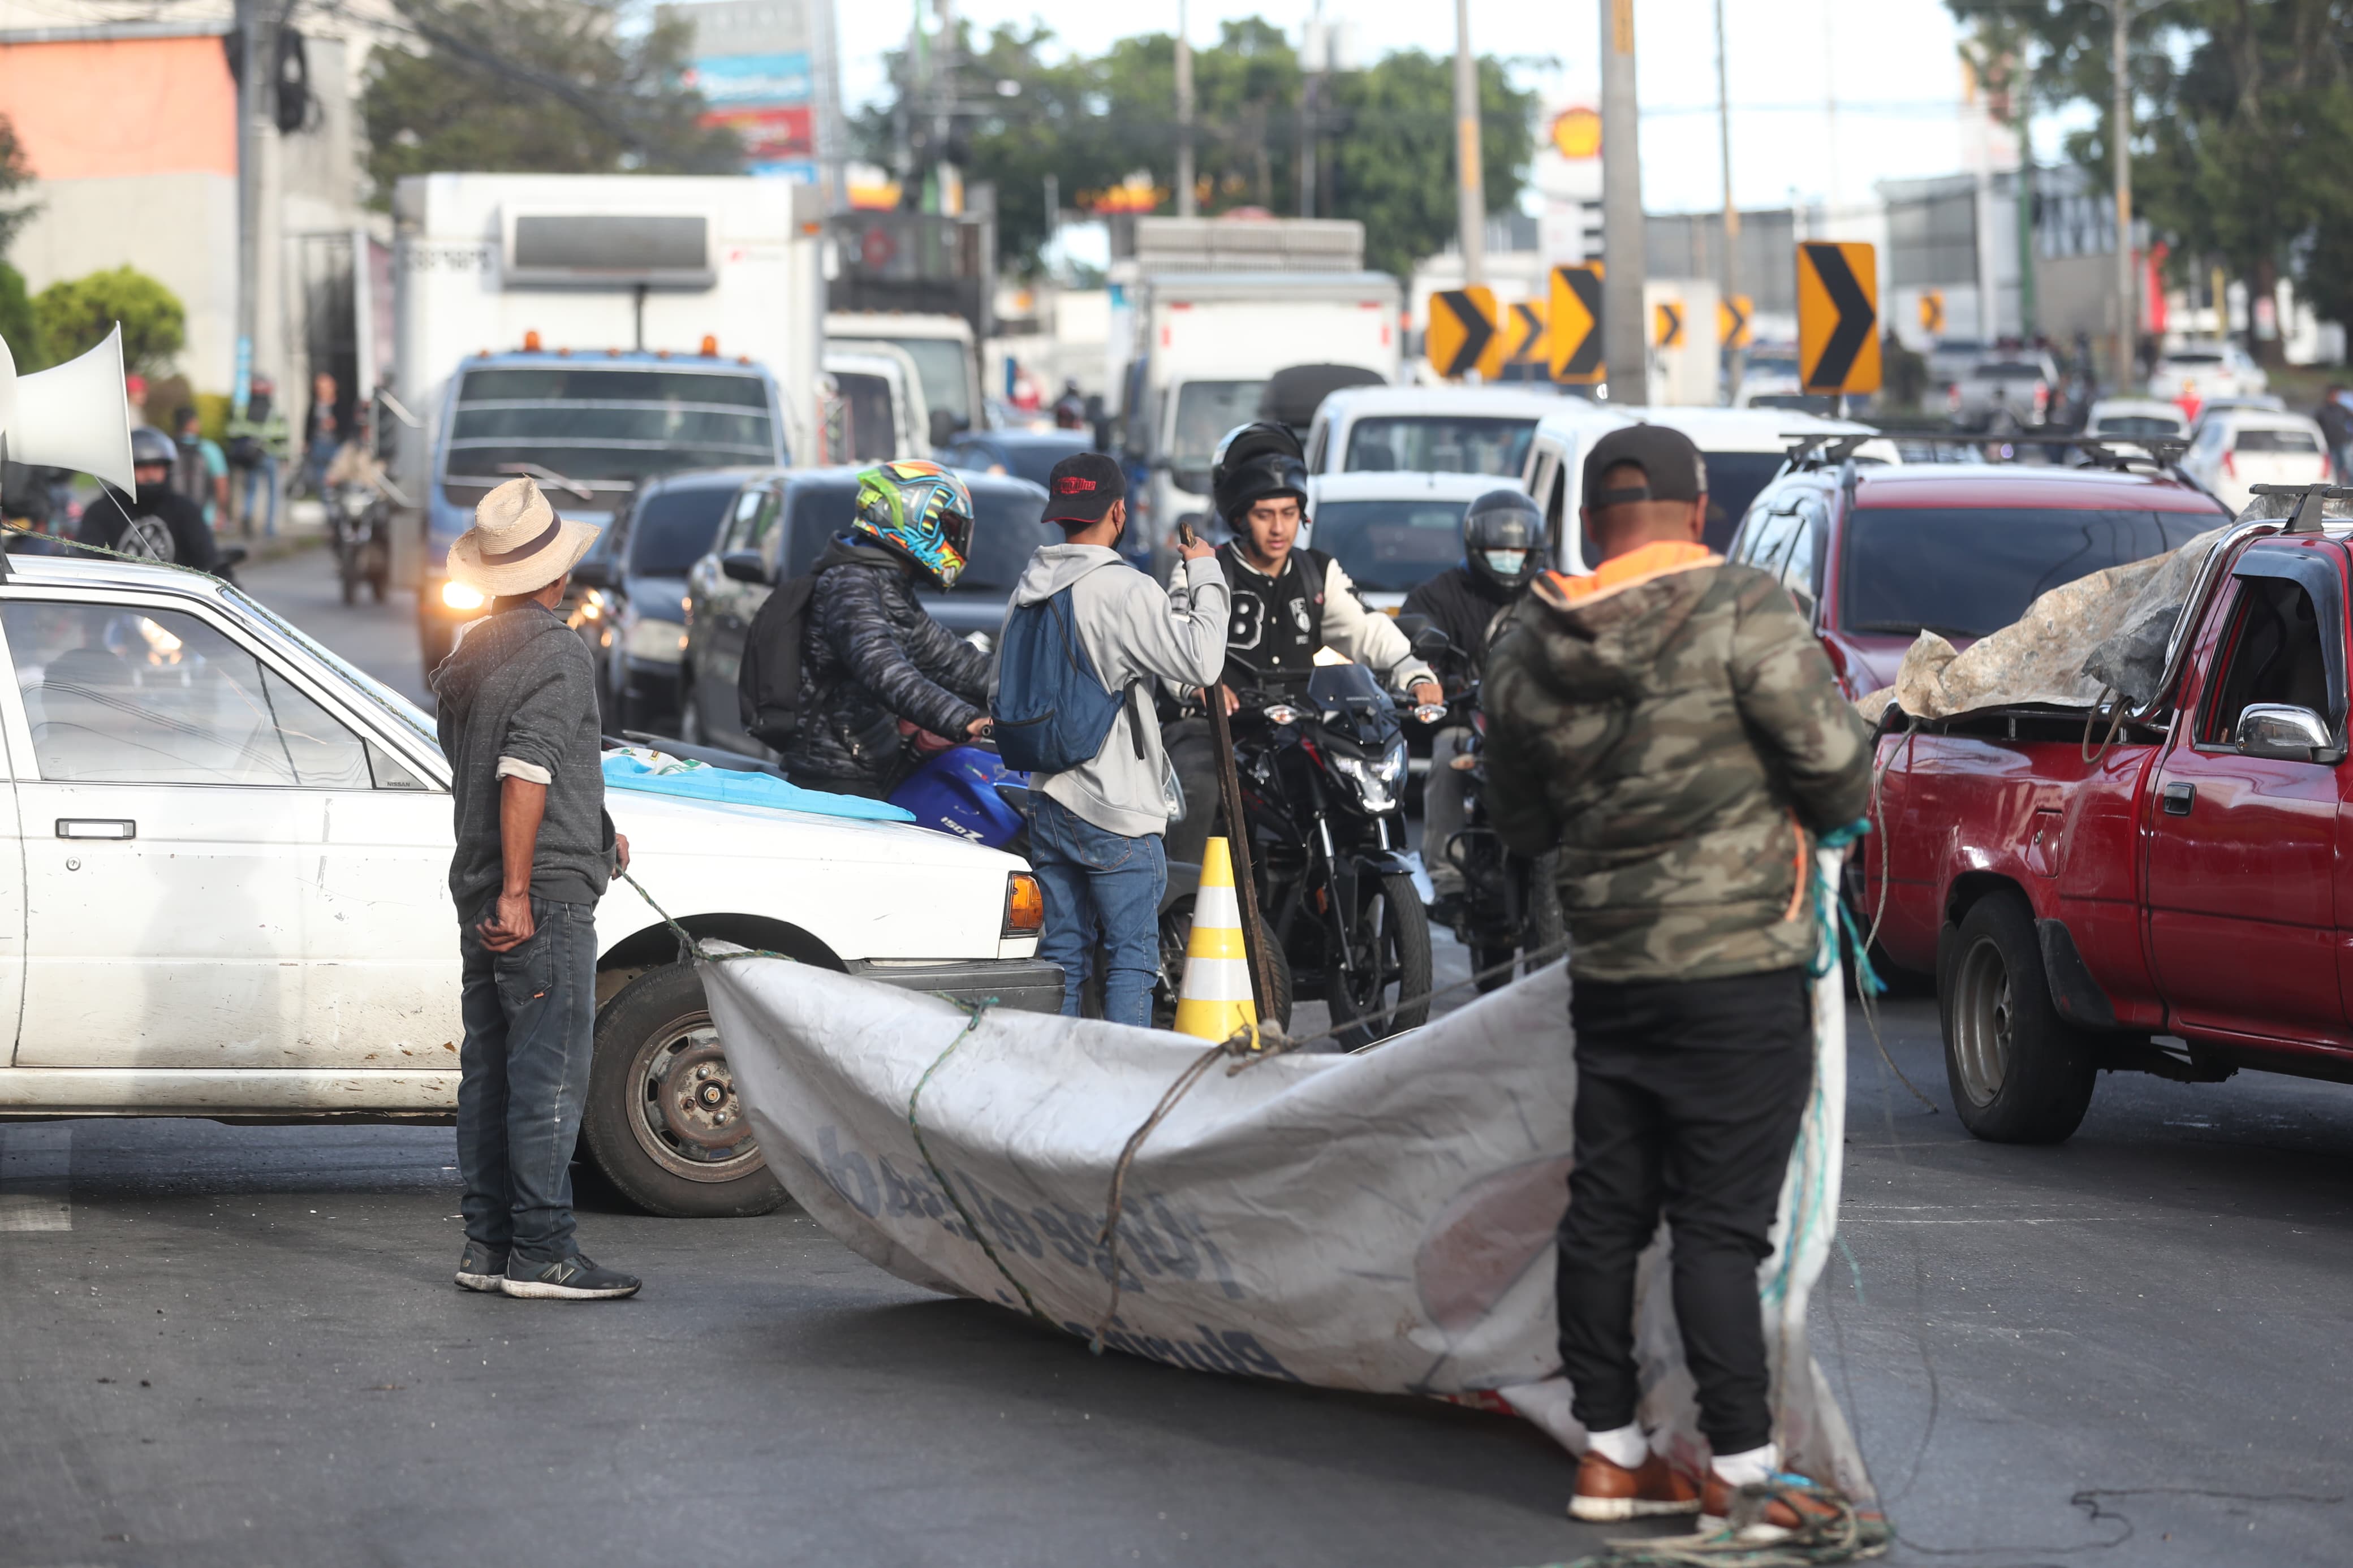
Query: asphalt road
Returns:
{"type": "Point", "coordinates": [240, 1345]}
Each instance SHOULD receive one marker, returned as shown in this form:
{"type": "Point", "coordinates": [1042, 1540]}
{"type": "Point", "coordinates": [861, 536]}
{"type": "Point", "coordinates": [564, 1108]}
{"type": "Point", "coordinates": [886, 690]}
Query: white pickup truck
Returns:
{"type": "Point", "coordinates": [228, 894]}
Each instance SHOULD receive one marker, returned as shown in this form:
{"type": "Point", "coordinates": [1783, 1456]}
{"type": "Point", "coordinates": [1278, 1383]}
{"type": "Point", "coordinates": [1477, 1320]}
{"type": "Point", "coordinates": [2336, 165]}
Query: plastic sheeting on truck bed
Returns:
{"type": "Point", "coordinates": [1381, 1221]}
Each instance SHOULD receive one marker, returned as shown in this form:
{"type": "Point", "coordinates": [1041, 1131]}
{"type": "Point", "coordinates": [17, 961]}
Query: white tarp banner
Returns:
{"type": "Point", "coordinates": [1380, 1222]}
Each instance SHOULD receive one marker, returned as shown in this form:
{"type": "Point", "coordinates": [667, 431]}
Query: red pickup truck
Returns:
{"type": "Point", "coordinates": [2180, 903]}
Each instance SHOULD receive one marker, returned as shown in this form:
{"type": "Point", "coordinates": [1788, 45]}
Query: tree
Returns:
{"type": "Point", "coordinates": [16, 173]}
{"type": "Point", "coordinates": [20, 327]}
{"type": "Point", "coordinates": [74, 317]}
{"type": "Point", "coordinates": [537, 86]}
{"type": "Point", "coordinates": [1393, 161]}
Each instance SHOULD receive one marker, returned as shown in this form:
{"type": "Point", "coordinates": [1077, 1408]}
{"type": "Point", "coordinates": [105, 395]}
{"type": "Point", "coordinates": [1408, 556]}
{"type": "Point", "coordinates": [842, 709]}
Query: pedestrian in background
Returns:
{"type": "Point", "coordinates": [257, 443]}
{"type": "Point", "coordinates": [1671, 726]}
{"type": "Point", "coordinates": [1096, 825]}
{"type": "Point", "coordinates": [323, 435]}
{"type": "Point", "coordinates": [202, 473]}
{"type": "Point", "coordinates": [518, 722]}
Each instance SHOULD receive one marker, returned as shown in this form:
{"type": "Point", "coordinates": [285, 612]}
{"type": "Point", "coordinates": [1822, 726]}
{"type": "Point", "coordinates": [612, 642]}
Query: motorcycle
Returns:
{"type": "Point", "coordinates": [361, 516]}
{"type": "Point", "coordinates": [968, 790]}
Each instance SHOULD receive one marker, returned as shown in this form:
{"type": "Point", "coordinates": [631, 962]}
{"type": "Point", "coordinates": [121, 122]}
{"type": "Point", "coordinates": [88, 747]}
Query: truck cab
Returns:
{"type": "Point", "coordinates": [945, 357]}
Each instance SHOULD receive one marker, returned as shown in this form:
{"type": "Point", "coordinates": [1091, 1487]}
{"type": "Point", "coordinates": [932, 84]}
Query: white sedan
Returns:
{"type": "Point", "coordinates": [229, 897]}
{"type": "Point", "coordinates": [2238, 449]}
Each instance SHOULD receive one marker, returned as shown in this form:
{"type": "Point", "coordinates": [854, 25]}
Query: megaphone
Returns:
{"type": "Point", "coordinates": [72, 415]}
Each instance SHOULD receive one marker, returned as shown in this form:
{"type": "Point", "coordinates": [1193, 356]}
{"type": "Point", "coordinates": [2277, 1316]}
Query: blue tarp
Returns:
{"type": "Point", "coordinates": [623, 771]}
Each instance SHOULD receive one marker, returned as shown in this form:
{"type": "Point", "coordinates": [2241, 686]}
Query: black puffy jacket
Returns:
{"type": "Point", "coordinates": [870, 655]}
{"type": "Point", "coordinates": [1463, 605]}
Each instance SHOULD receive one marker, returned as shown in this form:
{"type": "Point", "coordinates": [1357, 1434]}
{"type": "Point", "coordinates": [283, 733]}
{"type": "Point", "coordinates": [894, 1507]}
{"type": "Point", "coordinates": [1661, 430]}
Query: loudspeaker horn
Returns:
{"type": "Point", "coordinates": [72, 415]}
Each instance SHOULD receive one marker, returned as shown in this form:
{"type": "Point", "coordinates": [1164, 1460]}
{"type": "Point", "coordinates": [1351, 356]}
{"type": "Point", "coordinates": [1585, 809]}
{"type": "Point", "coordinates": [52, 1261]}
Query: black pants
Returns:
{"type": "Point", "coordinates": [1688, 1098]}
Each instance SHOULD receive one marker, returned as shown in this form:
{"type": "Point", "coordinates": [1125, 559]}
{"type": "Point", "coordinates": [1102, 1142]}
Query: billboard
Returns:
{"type": "Point", "coordinates": [763, 68]}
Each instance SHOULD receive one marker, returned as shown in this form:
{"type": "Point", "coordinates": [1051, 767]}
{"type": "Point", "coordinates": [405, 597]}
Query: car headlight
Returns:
{"type": "Point", "coordinates": [656, 642]}
{"type": "Point", "coordinates": [458, 596]}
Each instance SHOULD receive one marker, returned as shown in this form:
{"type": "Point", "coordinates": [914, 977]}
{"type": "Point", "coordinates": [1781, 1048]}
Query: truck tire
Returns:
{"type": "Point", "coordinates": [664, 1124]}
{"type": "Point", "coordinates": [2017, 1072]}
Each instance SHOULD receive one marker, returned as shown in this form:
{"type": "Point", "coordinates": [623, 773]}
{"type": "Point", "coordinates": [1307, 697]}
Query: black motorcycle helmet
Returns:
{"type": "Point", "coordinates": [150, 446]}
{"type": "Point", "coordinates": [1253, 462]}
{"type": "Point", "coordinates": [1504, 539]}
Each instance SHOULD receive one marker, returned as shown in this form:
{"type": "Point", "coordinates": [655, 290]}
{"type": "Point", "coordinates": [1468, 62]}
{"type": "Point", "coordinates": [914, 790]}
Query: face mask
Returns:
{"type": "Point", "coordinates": [1506, 563]}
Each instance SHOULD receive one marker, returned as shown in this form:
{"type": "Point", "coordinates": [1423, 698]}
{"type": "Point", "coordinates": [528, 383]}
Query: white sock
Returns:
{"type": "Point", "coordinates": [1748, 1468]}
{"type": "Point", "coordinates": [1625, 1448]}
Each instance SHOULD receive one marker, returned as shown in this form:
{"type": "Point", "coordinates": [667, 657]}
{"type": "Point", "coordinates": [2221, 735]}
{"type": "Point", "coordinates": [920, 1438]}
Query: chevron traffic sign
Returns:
{"type": "Point", "coordinates": [1462, 336]}
{"type": "Point", "coordinates": [1932, 311]}
{"type": "Point", "coordinates": [1732, 313]}
{"type": "Point", "coordinates": [1573, 325]}
{"type": "Point", "coordinates": [1525, 348]}
{"type": "Point", "coordinates": [1667, 327]}
{"type": "Point", "coordinates": [1837, 316]}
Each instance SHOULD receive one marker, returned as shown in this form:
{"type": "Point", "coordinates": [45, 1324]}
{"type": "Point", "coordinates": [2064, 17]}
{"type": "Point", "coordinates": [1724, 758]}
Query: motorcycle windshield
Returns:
{"type": "Point", "coordinates": [1350, 690]}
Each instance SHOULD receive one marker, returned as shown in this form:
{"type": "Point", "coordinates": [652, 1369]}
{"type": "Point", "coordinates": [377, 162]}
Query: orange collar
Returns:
{"type": "Point", "coordinates": [1654, 560]}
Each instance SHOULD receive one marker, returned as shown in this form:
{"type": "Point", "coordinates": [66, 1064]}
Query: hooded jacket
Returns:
{"type": "Point", "coordinates": [161, 525]}
{"type": "Point", "coordinates": [870, 655]}
{"type": "Point", "coordinates": [518, 696]}
{"type": "Point", "coordinates": [1131, 630]}
{"type": "Point", "coordinates": [1671, 724]}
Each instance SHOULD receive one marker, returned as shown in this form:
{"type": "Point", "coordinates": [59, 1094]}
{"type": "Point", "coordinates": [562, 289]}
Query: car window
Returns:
{"type": "Point", "coordinates": [1008, 525]}
{"type": "Point", "coordinates": [1391, 546]}
{"type": "Point", "coordinates": [2009, 370]}
{"type": "Point", "coordinates": [1734, 480]}
{"type": "Point", "coordinates": [1768, 543]}
{"type": "Point", "coordinates": [739, 525]}
{"type": "Point", "coordinates": [869, 433]}
{"type": "Point", "coordinates": [1801, 562]}
{"type": "Point", "coordinates": [2274, 656]}
{"type": "Point", "coordinates": [116, 695]}
{"type": "Point", "coordinates": [1449, 444]}
{"type": "Point", "coordinates": [2276, 441]}
{"type": "Point", "coordinates": [1963, 572]}
{"type": "Point", "coordinates": [1035, 460]}
{"type": "Point", "coordinates": [2138, 424]}
{"type": "Point", "coordinates": [670, 532]}
{"type": "Point", "coordinates": [819, 509]}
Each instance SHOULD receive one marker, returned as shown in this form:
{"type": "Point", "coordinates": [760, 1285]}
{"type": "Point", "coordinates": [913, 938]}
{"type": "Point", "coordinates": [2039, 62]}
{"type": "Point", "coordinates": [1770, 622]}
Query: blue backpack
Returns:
{"type": "Point", "coordinates": [1052, 709]}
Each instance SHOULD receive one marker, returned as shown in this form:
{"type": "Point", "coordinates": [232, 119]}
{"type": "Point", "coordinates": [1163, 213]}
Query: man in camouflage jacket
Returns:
{"type": "Point", "coordinates": [1671, 726]}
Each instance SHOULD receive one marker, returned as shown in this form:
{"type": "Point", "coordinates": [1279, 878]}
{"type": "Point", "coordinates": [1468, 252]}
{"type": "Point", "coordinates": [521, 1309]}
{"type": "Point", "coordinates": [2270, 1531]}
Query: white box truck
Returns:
{"type": "Point", "coordinates": [593, 331]}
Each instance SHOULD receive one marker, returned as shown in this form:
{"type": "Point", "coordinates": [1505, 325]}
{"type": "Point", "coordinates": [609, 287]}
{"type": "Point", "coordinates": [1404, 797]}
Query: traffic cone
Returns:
{"type": "Point", "coordinates": [1215, 999]}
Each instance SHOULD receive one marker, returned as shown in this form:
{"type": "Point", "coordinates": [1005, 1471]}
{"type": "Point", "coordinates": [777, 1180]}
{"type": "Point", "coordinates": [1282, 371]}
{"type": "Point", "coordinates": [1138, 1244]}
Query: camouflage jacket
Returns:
{"type": "Point", "coordinates": [1672, 733]}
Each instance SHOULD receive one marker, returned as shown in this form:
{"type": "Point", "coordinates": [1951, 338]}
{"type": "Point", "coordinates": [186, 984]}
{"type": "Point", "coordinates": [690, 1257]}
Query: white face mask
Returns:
{"type": "Point", "coordinates": [1506, 563]}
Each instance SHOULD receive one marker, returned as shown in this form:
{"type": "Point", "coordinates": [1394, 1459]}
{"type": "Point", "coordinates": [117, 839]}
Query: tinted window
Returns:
{"type": "Point", "coordinates": [1967, 571]}
{"type": "Point", "coordinates": [2008, 370]}
{"type": "Point", "coordinates": [1440, 444]}
{"type": "Point", "coordinates": [602, 428]}
{"type": "Point", "coordinates": [1006, 528]}
{"type": "Point", "coordinates": [2276, 441]}
{"type": "Point", "coordinates": [1035, 460]}
{"type": "Point", "coordinates": [1733, 480]}
{"type": "Point", "coordinates": [819, 511]}
{"type": "Point", "coordinates": [673, 530]}
{"type": "Point", "coordinates": [2131, 425]}
{"type": "Point", "coordinates": [869, 433]}
{"type": "Point", "coordinates": [1390, 546]}
{"type": "Point", "coordinates": [2193, 359]}
{"type": "Point", "coordinates": [2275, 656]}
{"type": "Point", "coordinates": [569, 384]}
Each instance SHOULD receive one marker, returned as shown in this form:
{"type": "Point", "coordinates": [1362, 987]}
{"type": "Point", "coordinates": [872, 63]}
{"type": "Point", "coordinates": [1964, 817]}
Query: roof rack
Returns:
{"type": "Point", "coordinates": [1823, 449]}
{"type": "Point", "coordinates": [2307, 518]}
{"type": "Point", "coordinates": [2165, 451]}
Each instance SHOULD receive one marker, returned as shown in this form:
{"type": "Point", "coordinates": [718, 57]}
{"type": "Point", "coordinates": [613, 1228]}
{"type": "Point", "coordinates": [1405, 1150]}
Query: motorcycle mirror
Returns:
{"type": "Point", "coordinates": [1423, 635]}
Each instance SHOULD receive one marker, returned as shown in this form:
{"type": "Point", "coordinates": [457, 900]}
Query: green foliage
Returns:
{"type": "Point", "coordinates": [74, 316]}
{"type": "Point", "coordinates": [19, 326]}
{"type": "Point", "coordinates": [537, 87]}
{"type": "Point", "coordinates": [1386, 133]}
{"type": "Point", "coordinates": [14, 175]}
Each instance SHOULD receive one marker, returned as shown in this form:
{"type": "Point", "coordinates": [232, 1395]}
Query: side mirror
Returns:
{"type": "Point", "coordinates": [744, 566]}
{"type": "Point", "coordinates": [2282, 733]}
{"type": "Point", "coordinates": [591, 572]}
{"type": "Point", "coordinates": [944, 426]}
{"type": "Point", "coordinates": [1427, 640]}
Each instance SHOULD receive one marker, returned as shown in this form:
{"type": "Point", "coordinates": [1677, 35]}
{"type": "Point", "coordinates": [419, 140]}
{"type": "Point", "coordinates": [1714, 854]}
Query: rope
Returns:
{"type": "Point", "coordinates": [1834, 1531]}
{"type": "Point", "coordinates": [2083, 747]}
{"type": "Point", "coordinates": [973, 1012]}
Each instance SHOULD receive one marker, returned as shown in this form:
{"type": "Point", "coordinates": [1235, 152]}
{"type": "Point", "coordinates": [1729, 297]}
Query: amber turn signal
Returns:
{"type": "Point", "coordinates": [1024, 905]}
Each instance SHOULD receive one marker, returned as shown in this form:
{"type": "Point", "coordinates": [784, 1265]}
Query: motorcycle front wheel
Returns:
{"type": "Point", "coordinates": [1385, 989]}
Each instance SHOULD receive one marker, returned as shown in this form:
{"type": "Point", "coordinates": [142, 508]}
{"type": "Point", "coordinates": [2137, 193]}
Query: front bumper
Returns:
{"type": "Point", "coordinates": [1024, 984]}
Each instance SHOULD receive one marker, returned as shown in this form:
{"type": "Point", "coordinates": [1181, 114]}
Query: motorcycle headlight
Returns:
{"type": "Point", "coordinates": [657, 642]}
{"type": "Point", "coordinates": [1372, 777]}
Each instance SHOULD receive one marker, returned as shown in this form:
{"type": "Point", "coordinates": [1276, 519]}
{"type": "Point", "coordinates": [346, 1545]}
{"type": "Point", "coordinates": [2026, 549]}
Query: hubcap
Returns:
{"type": "Point", "coordinates": [685, 1111]}
{"type": "Point", "coordinates": [1984, 1022]}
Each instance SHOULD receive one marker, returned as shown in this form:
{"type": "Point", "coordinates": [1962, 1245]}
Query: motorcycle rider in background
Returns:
{"type": "Point", "coordinates": [155, 522]}
{"type": "Point", "coordinates": [871, 656]}
{"type": "Point", "coordinates": [1287, 602]}
{"type": "Point", "coordinates": [1504, 545]}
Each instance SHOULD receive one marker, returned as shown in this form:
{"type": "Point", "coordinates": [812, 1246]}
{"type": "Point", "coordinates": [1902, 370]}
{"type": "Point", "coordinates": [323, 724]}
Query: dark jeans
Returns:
{"type": "Point", "coordinates": [1688, 1098]}
{"type": "Point", "coordinates": [1102, 895]}
{"type": "Point", "coordinates": [529, 1014]}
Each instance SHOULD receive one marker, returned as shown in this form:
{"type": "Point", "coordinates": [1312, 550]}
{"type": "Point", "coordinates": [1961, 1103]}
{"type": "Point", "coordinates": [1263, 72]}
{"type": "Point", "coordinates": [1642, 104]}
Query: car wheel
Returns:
{"type": "Point", "coordinates": [2018, 1072]}
{"type": "Point", "coordinates": [664, 1122]}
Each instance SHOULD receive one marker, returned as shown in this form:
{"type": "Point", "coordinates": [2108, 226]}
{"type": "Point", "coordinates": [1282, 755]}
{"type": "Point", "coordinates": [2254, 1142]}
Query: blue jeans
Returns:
{"type": "Point", "coordinates": [1102, 900]}
{"type": "Point", "coordinates": [263, 476]}
{"type": "Point", "coordinates": [530, 1015]}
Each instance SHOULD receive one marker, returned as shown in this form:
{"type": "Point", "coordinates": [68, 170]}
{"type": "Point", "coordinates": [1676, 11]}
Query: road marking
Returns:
{"type": "Point", "coordinates": [36, 1167]}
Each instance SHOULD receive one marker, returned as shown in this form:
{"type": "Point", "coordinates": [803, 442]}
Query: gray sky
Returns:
{"type": "Point", "coordinates": [1892, 65]}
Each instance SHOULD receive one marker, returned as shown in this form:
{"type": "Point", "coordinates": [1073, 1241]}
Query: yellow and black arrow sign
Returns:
{"type": "Point", "coordinates": [1733, 315]}
{"type": "Point", "coordinates": [1837, 316]}
{"type": "Point", "coordinates": [1525, 348]}
{"type": "Point", "coordinates": [1667, 325]}
{"type": "Point", "coordinates": [1932, 311]}
{"type": "Point", "coordinates": [1573, 325]}
{"type": "Point", "coordinates": [1462, 336]}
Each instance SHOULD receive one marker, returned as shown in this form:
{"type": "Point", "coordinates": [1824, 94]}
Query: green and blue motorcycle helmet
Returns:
{"type": "Point", "coordinates": [919, 510]}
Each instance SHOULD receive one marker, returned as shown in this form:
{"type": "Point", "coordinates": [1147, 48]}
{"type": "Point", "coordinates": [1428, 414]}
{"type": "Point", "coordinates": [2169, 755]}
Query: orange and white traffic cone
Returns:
{"type": "Point", "coordinates": [1214, 1000]}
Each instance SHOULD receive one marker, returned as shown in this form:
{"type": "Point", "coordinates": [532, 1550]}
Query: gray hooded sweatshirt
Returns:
{"type": "Point", "coordinates": [1131, 631]}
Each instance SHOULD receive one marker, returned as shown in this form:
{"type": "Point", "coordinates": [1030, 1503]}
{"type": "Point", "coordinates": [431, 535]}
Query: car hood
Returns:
{"type": "Point", "coordinates": [659, 825]}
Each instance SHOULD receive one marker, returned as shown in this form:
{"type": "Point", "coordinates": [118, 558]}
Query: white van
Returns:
{"type": "Point", "coordinates": [1430, 429]}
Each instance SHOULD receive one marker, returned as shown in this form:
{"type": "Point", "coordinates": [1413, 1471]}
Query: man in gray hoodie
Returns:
{"type": "Point", "coordinates": [1095, 829]}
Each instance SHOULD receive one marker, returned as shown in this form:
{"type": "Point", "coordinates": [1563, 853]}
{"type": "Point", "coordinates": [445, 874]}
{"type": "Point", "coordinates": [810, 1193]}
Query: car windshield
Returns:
{"type": "Point", "coordinates": [1439, 444]}
{"type": "Point", "coordinates": [1007, 526]}
{"type": "Point", "coordinates": [1962, 572]}
{"type": "Point", "coordinates": [602, 428]}
{"type": "Point", "coordinates": [2009, 370]}
{"type": "Point", "coordinates": [2138, 424]}
{"type": "Point", "coordinates": [2194, 358]}
{"type": "Point", "coordinates": [1733, 480]}
{"type": "Point", "coordinates": [1390, 546]}
{"type": "Point", "coordinates": [1205, 410]}
{"type": "Point", "coordinates": [391, 703]}
{"type": "Point", "coordinates": [2274, 441]}
{"type": "Point", "coordinates": [672, 530]}
{"type": "Point", "coordinates": [940, 366]}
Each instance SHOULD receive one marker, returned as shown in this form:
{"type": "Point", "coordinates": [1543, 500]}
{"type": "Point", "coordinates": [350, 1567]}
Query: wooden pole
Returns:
{"type": "Point", "coordinates": [1238, 845]}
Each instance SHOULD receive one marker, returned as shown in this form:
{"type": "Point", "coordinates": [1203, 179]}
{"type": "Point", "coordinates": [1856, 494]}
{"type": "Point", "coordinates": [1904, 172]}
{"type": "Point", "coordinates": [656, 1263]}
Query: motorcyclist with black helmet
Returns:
{"type": "Point", "coordinates": [156, 521]}
{"type": "Point", "coordinates": [1287, 602]}
{"type": "Point", "coordinates": [1504, 545]}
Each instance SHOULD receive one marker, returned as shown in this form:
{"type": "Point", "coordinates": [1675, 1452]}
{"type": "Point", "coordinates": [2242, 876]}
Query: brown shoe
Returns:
{"type": "Point", "coordinates": [1608, 1492]}
{"type": "Point", "coordinates": [1773, 1518]}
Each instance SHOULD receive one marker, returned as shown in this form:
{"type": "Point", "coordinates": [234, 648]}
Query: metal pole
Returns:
{"type": "Point", "coordinates": [1186, 207]}
{"type": "Point", "coordinates": [2120, 138]}
{"type": "Point", "coordinates": [250, 99]}
{"type": "Point", "coordinates": [2027, 308]}
{"type": "Point", "coordinates": [1471, 196]}
{"type": "Point", "coordinates": [1739, 364]}
{"type": "Point", "coordinates": [1625, 347]}
{"type": "Point", "coordinates": [1318, 52]}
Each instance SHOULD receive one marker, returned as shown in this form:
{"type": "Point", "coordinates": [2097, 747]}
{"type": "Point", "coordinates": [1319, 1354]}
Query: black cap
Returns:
{"type": "Point", "coordinates": [1669, 462]}
{"type": "Point", "coordinates": [1082, 488]}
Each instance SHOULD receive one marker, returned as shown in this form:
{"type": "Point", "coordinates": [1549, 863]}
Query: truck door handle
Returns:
{"type": "Point", "coordinates": [96, 827]}
{"type": "Point", "coordinates": [2177, 798]}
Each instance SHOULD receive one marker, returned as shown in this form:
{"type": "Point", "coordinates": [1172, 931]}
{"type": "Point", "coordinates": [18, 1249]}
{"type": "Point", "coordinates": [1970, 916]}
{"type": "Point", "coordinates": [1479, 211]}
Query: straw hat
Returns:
{"type": "Point", "coordinates": [518, 545]}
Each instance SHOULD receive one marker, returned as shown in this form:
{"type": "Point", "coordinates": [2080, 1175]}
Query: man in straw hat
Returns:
{"type": "Point", "coordinates": [535, 853]}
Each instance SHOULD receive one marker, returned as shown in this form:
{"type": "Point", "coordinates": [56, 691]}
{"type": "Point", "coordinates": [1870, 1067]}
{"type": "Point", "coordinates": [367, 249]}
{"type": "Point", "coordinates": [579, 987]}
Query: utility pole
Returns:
{"type": "Point", "coordinates": [1739, 364]}
{"type": "Point", "coordinates": [1625, 347]}
{"type": "Point", "coordinates": [2018, 106]}
{"type": "Point", "coordinates": [1186, 207]}
{"type": "Point", "coordinates": [250, 101]}
{"type": "Point", "coordinates": [2120, 138]}
{"type": "Point", "coordinates": [1318, 51]}
{"type": "Point", "coordinates": [1471, 196]}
